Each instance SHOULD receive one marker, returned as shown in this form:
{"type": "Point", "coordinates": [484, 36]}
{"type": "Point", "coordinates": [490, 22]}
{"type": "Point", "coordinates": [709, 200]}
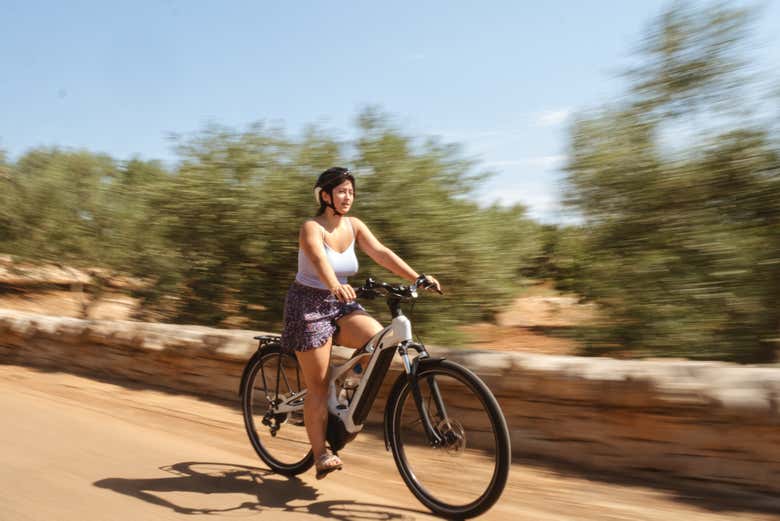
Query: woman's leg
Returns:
{"type": "Point", "coordinates": [356, 329]}
{"type": "Point", "coordinates": [315, 363]}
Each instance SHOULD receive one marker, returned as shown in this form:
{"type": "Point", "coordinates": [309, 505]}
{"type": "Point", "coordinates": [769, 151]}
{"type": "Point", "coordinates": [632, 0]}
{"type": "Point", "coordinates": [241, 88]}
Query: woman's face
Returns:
{"type": "Point", "coordinates": [343, 196]}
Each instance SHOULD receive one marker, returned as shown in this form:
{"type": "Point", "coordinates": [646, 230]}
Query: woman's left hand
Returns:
{"type": "Point", "coordinates": [433, 284]}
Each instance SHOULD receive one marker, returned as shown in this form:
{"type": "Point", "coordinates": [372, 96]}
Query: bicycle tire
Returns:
{"type": "Point", "coordinates": [401, 408]}
{"type": "Point", "coordinates": [256, 399]}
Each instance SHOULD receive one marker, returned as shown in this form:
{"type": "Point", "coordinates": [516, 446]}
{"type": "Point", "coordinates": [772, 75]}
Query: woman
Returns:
{"type": "Point", "coordinates": [313, 318]}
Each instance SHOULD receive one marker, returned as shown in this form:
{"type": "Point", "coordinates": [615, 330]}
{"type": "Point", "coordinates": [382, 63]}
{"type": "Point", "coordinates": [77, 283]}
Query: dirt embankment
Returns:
{"type": "Point", "coordinates": [54, 289]}
{"type": "Point", "coordinates": [534, 322]}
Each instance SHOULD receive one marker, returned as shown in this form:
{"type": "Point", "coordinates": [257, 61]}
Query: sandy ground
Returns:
{"type": "Point", "coordinates": [74, 448]}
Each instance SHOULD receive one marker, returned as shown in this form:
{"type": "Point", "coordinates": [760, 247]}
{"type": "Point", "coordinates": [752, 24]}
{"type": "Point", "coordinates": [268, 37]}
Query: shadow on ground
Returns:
{"type": "Point", "coordinates": [269, 491]}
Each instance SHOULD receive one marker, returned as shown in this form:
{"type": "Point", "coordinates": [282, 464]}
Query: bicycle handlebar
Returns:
{"type": "Point", "coordinates": [371, 289]}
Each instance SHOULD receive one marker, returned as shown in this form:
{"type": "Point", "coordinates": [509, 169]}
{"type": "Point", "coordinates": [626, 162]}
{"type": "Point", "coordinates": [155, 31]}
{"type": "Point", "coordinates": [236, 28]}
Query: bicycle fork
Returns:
{"type": "Point", "coordinates": [412, 368]}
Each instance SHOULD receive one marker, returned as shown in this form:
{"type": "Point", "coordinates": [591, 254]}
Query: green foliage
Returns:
{"type": "Point", "coordinates": [681, 242]}
{"type": "Point", "coordinates": [55, 204]}
{"type": "Point", "coordinates": [7, 190]}
{"type": "Point", "coordinates": [692, 58]}
{"type": "Point", "coordinates": [412, 197]}
{"type": "Point", "coordinates": [217, 235]}
{"type": "Point", "coordinates": [561, 258]}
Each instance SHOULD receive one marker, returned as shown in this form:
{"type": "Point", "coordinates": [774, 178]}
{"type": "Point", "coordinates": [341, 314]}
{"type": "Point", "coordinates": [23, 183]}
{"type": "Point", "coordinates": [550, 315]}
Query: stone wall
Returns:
{"type": "Point", "coordinates": [710, 422]}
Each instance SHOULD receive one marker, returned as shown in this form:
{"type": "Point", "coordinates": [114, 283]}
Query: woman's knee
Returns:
{"type": "Point", "coordinates": [317, 391]}
{"type": "Point", "coordinates": [356, 329]}
{"type": "Point", "coordinates": [315, 367]}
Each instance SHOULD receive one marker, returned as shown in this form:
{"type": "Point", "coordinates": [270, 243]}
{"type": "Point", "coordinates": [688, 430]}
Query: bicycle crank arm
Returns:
{"type": "Point", "coordinates": [291, 403]}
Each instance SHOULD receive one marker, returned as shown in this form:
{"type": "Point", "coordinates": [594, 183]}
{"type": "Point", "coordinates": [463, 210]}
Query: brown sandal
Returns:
{"type": "Point", "coordinates": [327, 463]}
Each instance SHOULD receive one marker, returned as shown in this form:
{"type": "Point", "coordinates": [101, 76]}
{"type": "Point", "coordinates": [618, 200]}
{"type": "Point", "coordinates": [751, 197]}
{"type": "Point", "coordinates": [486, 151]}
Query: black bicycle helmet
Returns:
{"type": "Point", "coordinates": [327, 181]}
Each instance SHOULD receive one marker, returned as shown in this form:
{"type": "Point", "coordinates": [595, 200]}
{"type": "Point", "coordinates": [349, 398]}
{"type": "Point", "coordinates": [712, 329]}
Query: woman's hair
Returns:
{"type": "Point", "coordinates": [327, 181]}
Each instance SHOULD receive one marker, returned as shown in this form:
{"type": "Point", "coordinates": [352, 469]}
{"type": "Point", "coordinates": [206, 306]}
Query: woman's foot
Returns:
{"type": "Point", "coordinates": [327, 463]}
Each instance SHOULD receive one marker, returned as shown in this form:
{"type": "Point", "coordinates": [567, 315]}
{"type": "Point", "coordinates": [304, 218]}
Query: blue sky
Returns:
{"type": "Point", "coordinates": [500, 77]}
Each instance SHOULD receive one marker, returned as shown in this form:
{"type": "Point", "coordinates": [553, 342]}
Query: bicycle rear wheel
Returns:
{"type": "Point", "coordinates": [278, 438]}
{"type": "Point", "coordinates": [465, 476]}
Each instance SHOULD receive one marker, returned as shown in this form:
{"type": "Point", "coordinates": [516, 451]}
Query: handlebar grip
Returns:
{"type": "Point", "coordinates": [422, 282]}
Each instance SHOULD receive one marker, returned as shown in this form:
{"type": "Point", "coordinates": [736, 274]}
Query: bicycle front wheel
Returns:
{"type": "Point", "coordinates": [465, 475]}
{"type": "Point", "coordinates": [279, 438]}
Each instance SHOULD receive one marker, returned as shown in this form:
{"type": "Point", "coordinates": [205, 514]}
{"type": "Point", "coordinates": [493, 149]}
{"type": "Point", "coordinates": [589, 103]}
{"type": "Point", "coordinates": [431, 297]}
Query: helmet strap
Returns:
{"type": "Point", "coordinates": [331, 205]}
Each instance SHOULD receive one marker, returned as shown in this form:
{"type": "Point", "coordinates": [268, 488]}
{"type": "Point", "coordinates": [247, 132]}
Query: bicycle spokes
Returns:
{"type": "Point", "coordinates": [273, 412]}
{"type": "Point", "coordinates": [458, 470]}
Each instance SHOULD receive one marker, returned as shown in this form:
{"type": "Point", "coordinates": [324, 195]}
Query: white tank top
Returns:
{"type": "Point", "coordinates": [344, 263]}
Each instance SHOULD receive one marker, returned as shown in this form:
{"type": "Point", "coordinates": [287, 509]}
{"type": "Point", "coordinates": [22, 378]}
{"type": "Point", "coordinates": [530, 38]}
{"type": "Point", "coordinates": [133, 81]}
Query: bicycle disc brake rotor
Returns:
{"type": "Point", "coordinates": [453, 434]}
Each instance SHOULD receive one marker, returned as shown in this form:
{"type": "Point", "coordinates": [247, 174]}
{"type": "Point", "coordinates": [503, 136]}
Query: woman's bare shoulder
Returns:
{"type": "Point", "coordinates": [310, 228]}
{"type": "Point", "coordinates": [310, 224]}
{"type": "Point", "coordinates": [357, 223]}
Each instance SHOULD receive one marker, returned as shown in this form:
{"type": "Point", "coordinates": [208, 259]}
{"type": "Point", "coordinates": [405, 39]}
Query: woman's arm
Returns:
{"type": "Point", "coordinates": [380, 253]}
{"type": "Point", "coordinates": [310, 240]}
{"type": "Point", "coordinates": [384, 256]}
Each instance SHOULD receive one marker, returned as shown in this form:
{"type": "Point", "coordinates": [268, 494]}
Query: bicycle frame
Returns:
{"type": "Point", "coordinates": [397, 337]}
{"type": "Point", "coordinates": [272, 387]}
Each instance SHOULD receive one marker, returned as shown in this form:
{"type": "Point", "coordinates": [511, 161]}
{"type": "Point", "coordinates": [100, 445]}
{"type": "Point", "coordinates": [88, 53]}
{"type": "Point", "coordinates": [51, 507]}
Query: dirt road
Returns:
{"type": "Point", "coordinates": [73, 448]}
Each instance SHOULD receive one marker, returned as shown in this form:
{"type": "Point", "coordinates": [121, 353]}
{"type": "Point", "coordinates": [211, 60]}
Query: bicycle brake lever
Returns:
{"type": "Point", "coordinates": [365, 294]}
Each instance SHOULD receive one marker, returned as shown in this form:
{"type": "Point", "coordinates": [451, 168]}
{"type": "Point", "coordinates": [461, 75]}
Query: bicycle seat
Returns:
{"type": "Point", "coordinates": [267, 339]}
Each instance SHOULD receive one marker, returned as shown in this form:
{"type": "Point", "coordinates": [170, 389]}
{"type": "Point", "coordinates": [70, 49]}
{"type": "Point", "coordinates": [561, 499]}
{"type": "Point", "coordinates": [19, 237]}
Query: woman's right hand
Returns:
{"type": "Point", "coordinates": [344, 292]}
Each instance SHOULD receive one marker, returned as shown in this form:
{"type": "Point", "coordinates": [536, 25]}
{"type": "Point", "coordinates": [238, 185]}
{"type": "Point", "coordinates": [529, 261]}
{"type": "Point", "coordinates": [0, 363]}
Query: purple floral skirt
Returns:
{"type": "Point", "coordinates": [310, 316]}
